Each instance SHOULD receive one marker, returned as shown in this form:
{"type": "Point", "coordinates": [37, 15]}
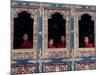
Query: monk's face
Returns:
{"type": "Point", "coordinates": [25, 37]}
{"type": "Point", "coordinates": [86, 40]}
{"type": "Point", "coordinates": [51, 42]}
{"type": "Point", "coordinates": [62, 38]}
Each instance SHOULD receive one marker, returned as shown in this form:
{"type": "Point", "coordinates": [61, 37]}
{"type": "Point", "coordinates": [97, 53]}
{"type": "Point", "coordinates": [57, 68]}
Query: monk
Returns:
{"type": "Point", "coordinates": [87, 43]}
{"type": "Point", "coordinates": [51, 43]}
{"type": "Point", "coordinates": [62, 43]}
{"type": "Point", "coordinates": [26, 43]}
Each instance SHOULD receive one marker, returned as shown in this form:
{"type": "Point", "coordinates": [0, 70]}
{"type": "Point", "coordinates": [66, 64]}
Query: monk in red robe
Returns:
{"type": "Point", "coordinates": [87, 43]}
{"type": "Point", "coordinates": [51, 44]}
{"type": "Point", "coordinates": [26, 43]}
{"type": "Point", "coordinates": [62, 43]}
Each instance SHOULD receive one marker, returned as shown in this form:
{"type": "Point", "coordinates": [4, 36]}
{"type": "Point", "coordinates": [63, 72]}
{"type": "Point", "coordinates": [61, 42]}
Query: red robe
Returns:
{"type": "Point", "coordinates": [61, 45]}
{"type": "Point", "coordinates": [51, 46]}
{"type": "Point", "coordinates": [89, 45]}
{"type": "Point", "coordinates": [27, 44]}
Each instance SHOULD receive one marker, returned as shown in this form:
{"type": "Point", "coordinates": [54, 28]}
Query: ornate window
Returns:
{"type": "Point", "coordinates": [24, 28]}
{"type": "Point", "coordinates": [86, 31]}
{"type": "Point", "coordinates": [55, 30]}
{"type": "Point", "coordinates": [84, 28]}
{"type": "Point", "coordinates": [23, 31]}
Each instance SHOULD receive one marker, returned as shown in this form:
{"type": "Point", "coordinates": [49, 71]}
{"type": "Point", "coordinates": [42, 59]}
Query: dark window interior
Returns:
{"type": "Point", "coordinates": [86, 28]}
{"type": "Point", "coordinates": [56, 27]}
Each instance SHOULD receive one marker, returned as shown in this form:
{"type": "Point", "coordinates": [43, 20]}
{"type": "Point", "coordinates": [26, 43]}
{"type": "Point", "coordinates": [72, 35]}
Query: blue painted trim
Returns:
{"type": "Point", "coordinates": [87, 59]}
{"type": "Point", "coordinates": [23, 62]}
{"type": "Point", "coordinates": [61, 62]}
{"type": "Point", "coordinates": [51, 4]}
{"type": "Point", "coordinates": [40, 33]}
{"type": "Point", "coordinates": [72, 32]}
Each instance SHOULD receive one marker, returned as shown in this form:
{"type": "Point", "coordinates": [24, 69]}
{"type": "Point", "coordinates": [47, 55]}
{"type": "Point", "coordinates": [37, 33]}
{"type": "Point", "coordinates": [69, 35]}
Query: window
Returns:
{"type": "Point", "coordinates": [86, 32]}
{"type": "Point", "coordinates": [56, 31]}
{"type": "Point", "coordinates": [23, 31]}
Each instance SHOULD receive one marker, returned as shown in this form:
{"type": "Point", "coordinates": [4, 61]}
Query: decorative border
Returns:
{"type": "Point", "coordinates": [88, 63]}
{"type": "Point", "coordinates": [56, 67]}
{"type": "Point", "coordinates": [24, 69]}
